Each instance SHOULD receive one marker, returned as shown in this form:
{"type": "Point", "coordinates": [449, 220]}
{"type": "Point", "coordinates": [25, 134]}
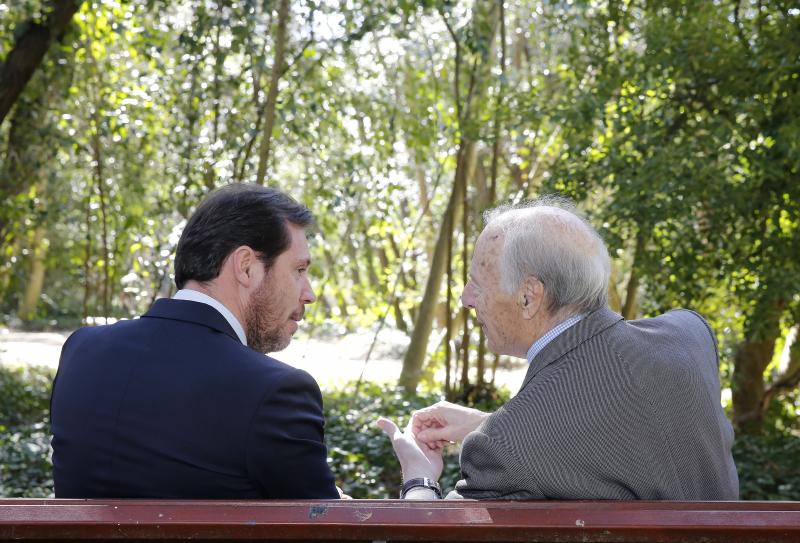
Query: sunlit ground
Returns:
{"type": "Point", "coordinates": [331, 360]}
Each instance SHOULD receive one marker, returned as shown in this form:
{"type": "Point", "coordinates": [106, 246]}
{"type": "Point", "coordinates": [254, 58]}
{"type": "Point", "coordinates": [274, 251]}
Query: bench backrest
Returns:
{"type": "Point", "coordinates": [398, 520]}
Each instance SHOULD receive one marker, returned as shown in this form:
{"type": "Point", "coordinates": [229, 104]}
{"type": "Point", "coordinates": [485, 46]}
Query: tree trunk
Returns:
{"type": "Point", "coordinates": [789, 377]}
{"type": "Point", "coordinates": [22, 164]}
{"type": "Point", "coordinates": [342, 302]}
{"type": "Point", "coordinates": [419, 175]}
{"type": "Point", "coordinates": [614, 300]}
{"type": "Point", "coordinates": [415, 355]}
{"type": "Point", "coordinates": [352, 256]}
{"type": "Point", "coordinates": [35, 283]}
{"type": "Point", "coordinates": [399, 318]}
{"type": "Point", "coordinates": [30, 159]}
{"type": "Point", "coordinates": [465, 335]}
{"type": "Point", "coordinates": [752, 356]}
{"type": "Point", "coordinates": [368, 258]}
{"type": "Point", "coordinates": [87, 257]}
{"type": "Point", "coordinates": [29, 50]}
{"type": "Point", "coordinates": [491, 197]}
{"type": "Point", "coordinates": [480, 363]}
{"type": "Point", "coordinates": [272, 95]}
{"type": "Point", "coordinates": [484, 26]}
{"type": "Point", "coordinates": [100, 184]}
{"type": "Point", "coordinates": [448, 317]}
{"type": "Point", "coordinates": [631, 306]}
{"type": "Point", "coordinates": [750, 361]}
{"type": "Point", "coordinates": [497, 108]}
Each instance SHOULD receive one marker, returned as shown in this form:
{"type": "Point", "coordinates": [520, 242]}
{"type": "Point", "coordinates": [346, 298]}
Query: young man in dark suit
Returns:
{"type": "Point", "coordinates": [609, 409]}
{"type": "Point", "coordinates": [182, 402]}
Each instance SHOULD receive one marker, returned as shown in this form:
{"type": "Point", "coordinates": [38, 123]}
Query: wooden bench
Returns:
{"type": "Point", "coordinates": [397, 520]}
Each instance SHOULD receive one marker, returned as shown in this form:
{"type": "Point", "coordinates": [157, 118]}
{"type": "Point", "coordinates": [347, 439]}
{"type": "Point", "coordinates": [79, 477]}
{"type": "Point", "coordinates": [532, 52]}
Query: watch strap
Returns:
{"type": "Point", "coordinates": [422, 482]}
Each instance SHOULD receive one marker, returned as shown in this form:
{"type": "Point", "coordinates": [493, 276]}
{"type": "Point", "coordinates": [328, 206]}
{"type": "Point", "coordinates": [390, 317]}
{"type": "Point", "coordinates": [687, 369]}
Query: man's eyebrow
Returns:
{"type": "Point", "coordinates": [304, 262]}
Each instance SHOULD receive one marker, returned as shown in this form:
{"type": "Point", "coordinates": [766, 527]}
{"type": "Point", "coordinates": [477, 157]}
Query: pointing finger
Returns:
{"type": "Point", "coordinates": [388, 427]}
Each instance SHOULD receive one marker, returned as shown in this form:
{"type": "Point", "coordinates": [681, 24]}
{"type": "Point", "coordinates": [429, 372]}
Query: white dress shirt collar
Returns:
{"type": "Point", "coordinates": [551, 334]}
{"type": "Point", "coordinates": [195, 296]}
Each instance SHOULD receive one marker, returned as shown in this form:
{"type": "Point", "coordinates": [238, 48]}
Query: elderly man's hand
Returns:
{"type": "Point", "coordinates": [444, 422]}
{"type": "Point", "coordinates": [416, 459]}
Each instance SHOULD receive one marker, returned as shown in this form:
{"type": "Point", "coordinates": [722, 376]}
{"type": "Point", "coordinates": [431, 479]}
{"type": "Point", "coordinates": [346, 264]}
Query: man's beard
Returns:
{"type": "Point", "coordinates": [264, 333]}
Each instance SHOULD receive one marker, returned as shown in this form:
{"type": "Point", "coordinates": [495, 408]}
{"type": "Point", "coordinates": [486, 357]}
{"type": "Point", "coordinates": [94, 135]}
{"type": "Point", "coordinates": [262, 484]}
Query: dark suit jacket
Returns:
{"type": "Point", "coordinates": [172, 405]}
{"type": "Point", "coordinates": [611, 409]}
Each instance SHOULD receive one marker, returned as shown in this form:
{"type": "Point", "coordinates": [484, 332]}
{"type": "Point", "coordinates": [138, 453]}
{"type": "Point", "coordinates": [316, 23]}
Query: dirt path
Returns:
{"type": "Point", "coordinates": [331, 361]}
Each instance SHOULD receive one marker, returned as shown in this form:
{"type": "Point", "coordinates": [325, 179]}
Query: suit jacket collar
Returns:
{"type": "Point", "coordinates": [194, 312]}
{"type": "Point", "coordinates": [588, 327]}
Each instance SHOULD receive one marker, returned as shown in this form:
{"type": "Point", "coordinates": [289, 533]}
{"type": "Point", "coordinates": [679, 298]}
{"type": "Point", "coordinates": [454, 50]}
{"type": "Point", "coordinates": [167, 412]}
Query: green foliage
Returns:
{"type": "Point", "coordinates": [24, 395]}
{"type": "Point", "coordinates": [26, 468]}
{"type": "Point", "coordinates": [676, 128]}
{"type": "Point", "coordinates": [682, 144]}
{"type": "Point", "coordinates": [360, 454]}
{"type": "Point", "coordinates": [768, 467]}
{"type": "Point", "coordinates": [768, 464]}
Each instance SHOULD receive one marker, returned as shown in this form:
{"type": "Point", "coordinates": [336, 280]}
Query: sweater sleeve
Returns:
{"type": "Point", "coordinates": [490, 471]}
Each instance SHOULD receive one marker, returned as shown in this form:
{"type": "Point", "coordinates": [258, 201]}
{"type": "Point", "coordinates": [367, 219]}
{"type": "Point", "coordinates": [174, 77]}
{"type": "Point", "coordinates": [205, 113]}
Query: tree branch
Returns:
{"type": "Point", "coordinates": [272, 96]}
{"type": "Point", "coordinates": [29, 50]}
{"type": "Point", "coordinates": [790, 378]}
{"type": "Point", "coordinates": [457, 76]}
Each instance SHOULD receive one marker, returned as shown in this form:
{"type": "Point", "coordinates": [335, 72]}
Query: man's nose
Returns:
{"type": "Point", "coordinates": [307, 295]}
{"type": "Point", "coordinates": [467, 298]}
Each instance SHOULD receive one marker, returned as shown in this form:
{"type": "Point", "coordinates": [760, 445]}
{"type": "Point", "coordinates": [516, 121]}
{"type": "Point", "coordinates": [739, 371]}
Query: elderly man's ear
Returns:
{"type": "Point", "coordinates": [530, 297]}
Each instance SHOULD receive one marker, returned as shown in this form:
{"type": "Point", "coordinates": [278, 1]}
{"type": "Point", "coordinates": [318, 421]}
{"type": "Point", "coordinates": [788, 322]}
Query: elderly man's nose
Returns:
{"type": "Point", "coordinates": [467, 298]}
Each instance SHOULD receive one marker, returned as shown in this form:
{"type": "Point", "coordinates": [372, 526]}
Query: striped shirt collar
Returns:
{"type": "Point", "coordinates": [550, 335]}
{"type": "Point", "coordinates": [195, 296]}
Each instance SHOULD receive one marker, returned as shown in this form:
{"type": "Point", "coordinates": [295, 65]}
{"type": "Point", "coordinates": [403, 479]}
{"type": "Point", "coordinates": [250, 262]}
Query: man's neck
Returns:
{"type": "Point", "coordinates": [549, 322]}
{"type": "Point", "coordinates": [557, 325]}
{"type": "Point", "coordinates": [216, 291]}
{"type": "Point", "coordinates": [543, 325]}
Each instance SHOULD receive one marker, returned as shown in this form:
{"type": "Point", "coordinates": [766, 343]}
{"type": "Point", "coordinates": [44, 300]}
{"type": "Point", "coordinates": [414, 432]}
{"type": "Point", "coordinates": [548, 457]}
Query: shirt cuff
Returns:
{"type": "Point", "coordinates": [421, 493]}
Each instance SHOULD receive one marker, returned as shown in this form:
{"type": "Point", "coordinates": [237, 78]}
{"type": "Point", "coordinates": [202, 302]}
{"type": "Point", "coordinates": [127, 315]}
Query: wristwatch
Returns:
{"type": "Point", "coordinates": [423, 482]}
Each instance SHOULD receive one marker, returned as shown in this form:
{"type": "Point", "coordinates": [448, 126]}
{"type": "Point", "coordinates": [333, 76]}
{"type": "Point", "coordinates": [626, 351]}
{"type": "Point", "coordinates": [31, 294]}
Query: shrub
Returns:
{"type": "Point", "coordinates": [768, 466]}
{"type": "Point", "coordinates": [364, 464]}
{"type": "Point", "coordinates": [24, 394]}
{"type": "Point", "coordinates": [361, 456]}
{"type": "Point", "coordinates": [26, 468]}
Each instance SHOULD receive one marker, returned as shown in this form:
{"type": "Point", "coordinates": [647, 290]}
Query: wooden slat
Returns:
{"type": "Point", "coordinates": [397, 520]}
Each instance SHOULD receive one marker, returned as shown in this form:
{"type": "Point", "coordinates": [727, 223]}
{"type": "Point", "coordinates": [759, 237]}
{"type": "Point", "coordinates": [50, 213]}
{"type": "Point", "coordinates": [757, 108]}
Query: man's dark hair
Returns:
{"type": "Point", "coordinates": [233, 216]}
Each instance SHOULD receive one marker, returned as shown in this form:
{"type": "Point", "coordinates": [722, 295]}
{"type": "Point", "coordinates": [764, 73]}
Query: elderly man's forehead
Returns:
{"type": "Point", "coordinates": [491, 236]}
{"type": "Point", "coordinates": [488, 248]}
{"type": "Point", "coordinates": [534, 214]}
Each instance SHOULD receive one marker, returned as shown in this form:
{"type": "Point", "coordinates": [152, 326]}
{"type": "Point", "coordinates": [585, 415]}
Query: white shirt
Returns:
{"type": "Point", "coordinates": [551, 334]}
{"type": "Point", "coordinates": [195, 296]}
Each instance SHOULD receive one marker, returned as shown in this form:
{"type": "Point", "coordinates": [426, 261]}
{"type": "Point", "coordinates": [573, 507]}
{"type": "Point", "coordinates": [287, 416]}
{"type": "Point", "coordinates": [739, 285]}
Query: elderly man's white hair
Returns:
{"type": "Point", "coordinates": [549, 239]}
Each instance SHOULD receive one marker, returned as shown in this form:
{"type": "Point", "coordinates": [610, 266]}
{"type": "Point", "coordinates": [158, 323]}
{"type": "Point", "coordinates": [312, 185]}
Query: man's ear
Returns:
{"type": "Point", "coordinates": [242, 262]}
{"type": "Point", "coordinates": [530, 297]}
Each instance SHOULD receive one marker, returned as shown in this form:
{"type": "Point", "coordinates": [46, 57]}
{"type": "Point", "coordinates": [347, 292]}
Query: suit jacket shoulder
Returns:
{"type": "Point", "coordinates": [172, 405]}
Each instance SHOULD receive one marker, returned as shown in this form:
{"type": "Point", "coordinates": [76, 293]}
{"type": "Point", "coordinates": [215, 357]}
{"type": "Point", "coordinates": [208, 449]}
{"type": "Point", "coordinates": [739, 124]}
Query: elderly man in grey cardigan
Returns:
{"type": "Point", "coordinates": [608, 409]}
